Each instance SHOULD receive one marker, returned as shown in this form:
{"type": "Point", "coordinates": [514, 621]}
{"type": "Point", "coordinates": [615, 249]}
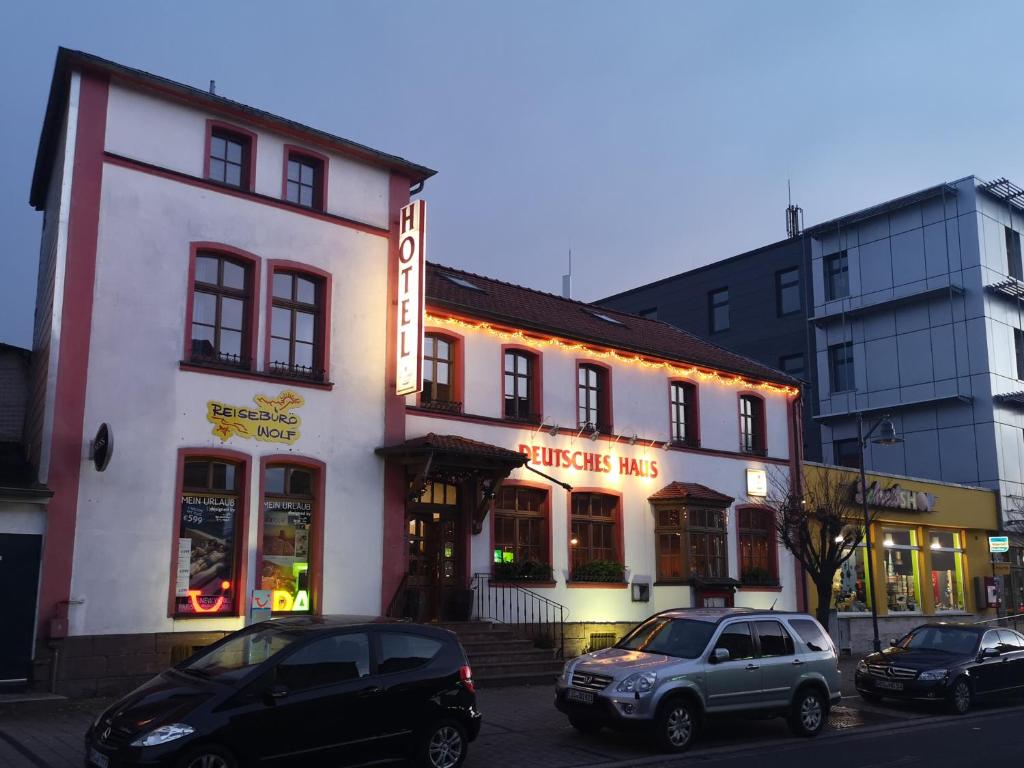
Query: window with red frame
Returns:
{"type": "Point", "coordinates": [752, 437]}
{"type": "Point", "coordinates": [521, 386]}
{"type": "Point", "coordinates": [208, 542]}
{"type": "Point", "coordinates": [305, 182]}
{"type": "Point", "coordinates": [593, 408]}
{"type": "Point", "coordinates": [756, 528]}
{"type": "Point", "coordinates": [287, 536]}
{"type": "Point", "coordinates": [297, 326]}
{"type": "Point", "coordinates": [229, 158]}
{"type": "Point", "coordinates": [521, 526]}
{"type": "Point", "coordinates": [684, 413]}
{"type": "Point", "coordinates": [595, 520]}
{"type": "Point", "coordinates": [669, 535]}
{"type": "Point", "coordinates": [439, 374]}
{"type": "Point", "coordinates": [221, 302]}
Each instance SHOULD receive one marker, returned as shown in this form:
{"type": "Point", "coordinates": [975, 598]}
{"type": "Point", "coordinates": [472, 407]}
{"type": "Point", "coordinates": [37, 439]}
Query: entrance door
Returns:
{"type": "Point", "coordinates": [436, 554]}
{"type": "Point", "coordinates": [19, 573]}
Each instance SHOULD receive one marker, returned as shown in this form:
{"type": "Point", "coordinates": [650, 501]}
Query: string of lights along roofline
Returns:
{"type": "Point", "coordinates": [728, 379]}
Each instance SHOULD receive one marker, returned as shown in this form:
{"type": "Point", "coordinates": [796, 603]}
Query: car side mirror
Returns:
{"type": "Point", "coordinates": [718, 656]}
{"type": "Point", "coordinates": [893, 642]}
{"type": "Point", "coordinates": [989, 653]}
{"type": "Point", "coordinates": [276, 692]}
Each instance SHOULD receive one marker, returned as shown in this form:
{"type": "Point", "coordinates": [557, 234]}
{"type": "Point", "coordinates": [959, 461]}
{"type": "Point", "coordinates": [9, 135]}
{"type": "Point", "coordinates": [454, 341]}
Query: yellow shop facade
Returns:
{"type": "Point", "coordinates": [930, 556]}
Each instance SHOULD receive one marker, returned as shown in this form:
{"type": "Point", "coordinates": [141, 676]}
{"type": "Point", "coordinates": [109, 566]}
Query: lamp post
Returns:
{"type": "Point", "coordinates": [887, 436]}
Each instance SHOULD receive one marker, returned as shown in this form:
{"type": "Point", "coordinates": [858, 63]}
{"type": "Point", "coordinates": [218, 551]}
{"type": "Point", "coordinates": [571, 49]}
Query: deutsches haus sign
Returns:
{"type": "Point", "coordinates": [409, 310]}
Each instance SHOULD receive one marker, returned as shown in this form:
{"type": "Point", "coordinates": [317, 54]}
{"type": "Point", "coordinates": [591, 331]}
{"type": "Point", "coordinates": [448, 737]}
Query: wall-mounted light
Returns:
{"type": "Point", "coordinates": [666, 446]}
{"type": "Point", "coordinates": [888, 541]}
{"type": "Point", "coordinates": [632, 440]}
{"type": "Point", "coordinates": [553, 430]}
{"type": "Point", "coordinates": [574, 541]}
{"type": "Point", "coordinates": [594, 433]}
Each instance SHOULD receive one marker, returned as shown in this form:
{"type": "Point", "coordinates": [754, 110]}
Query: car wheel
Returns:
{"type": "Point", "coordinates": [585, 724]}
{"type": "Point", "coordinates": [443, 745]}
{"type": "Point", "coordinates": [871, 698]}
{"type": "Point", "coordinates": [208, 756]}
{"type": "Point", "coordinates": [808, 713]}
{"type": "Point", "coordinates": [960, 696]}
{"type": "Point", "coordinates": [676, 725]}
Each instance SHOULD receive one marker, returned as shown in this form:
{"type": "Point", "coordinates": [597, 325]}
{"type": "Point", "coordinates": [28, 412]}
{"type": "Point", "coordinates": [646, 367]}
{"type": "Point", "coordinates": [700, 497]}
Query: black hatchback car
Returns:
{"type": "Point", "coordinates": [300, 691]}
{"type": "Point", "coordinates": [953, 663]}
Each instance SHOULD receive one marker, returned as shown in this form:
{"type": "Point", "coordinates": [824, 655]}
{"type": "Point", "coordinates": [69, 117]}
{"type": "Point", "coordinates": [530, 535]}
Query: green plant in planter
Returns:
{"type": "Point", "coordinates": [527, 570]}
{"type": "Point", "coordinates": [757, 577]}
{"type": "Point", "coordinates": [605, 571]}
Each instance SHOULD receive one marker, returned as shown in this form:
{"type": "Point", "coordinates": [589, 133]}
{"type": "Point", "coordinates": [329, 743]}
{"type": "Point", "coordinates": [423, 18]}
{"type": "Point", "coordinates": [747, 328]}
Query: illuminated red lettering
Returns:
{"type": "Point", "coordinates": [623, 465]}
{"type": "Point", "coordinates": [588, 461]}
{"type": "Point", "coordinates": [654, 469]}
{"type": "Point", "coordinates": [566, 461]}
{"type": "Point", "coordinates": [535, 452]}
{"type": "Point", "coordinates": [408, 218]}
{"type": "Point", "coordinates": [577, 460]}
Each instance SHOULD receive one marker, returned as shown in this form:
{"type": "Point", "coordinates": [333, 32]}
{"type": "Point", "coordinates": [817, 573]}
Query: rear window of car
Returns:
{"type": "Point", "coordinates": [400, 651]}
{"type": "Point", "coordinates": [811, 634]}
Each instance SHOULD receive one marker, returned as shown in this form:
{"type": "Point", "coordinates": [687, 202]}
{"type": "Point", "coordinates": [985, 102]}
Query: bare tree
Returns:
{"type": "Point", "coordinates": [822, 527]}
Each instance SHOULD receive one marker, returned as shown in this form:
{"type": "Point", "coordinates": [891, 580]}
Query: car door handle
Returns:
{"type": "Point", "coordinates": [371, 691]}
{"type": "Point", "coordinates": [751, 666]}
{"type": "Point", "coordinates": [797, 662]}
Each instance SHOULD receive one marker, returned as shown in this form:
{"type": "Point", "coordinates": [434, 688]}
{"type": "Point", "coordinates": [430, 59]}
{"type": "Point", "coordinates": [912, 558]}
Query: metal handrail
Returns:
{"type": "Point", "coordinates": [393, 610]}
{"type": "Point", "coordinates": [530, 612]}
{"type": "Point", "coordinates": [1012, 616]}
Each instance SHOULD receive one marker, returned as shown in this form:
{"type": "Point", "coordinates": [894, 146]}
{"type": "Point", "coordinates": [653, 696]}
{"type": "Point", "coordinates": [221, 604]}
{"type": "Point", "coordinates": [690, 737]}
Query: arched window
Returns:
{"type": "Point", "coordinates": [221, 324]}
{"type": "Point", "coordinates": [595, 521]}
{"type": "Point", "coordinates": [297, 325]}
{"type": "Point", "coordinates": [440, 373]}
{"type": "Point", "coordinates": [521, 525]}
{"type": "Point", "coordinates": [683, 413]}
{"type": "Point", "coordinates": [521, 386]}
{"type": "Point", "coordinates": [758, 561]}
{"type": "Point", "coordinates": [593, 397]}
{"type": "Point", "coordinates": [289, 499]}
{"type": "Point", "coordinates": [752, 435]}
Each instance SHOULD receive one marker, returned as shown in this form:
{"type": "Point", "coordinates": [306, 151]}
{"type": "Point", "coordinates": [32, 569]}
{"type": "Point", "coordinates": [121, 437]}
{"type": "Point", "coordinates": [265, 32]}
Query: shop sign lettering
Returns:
{"type": "Point", "coordinates": [409, 310]}
{"type": "Point", "coordinates": [894, 497]}
{"type": "Point", "coordinates": [271, 421]}
{"type": "Point", "coordinates": [588, 461]}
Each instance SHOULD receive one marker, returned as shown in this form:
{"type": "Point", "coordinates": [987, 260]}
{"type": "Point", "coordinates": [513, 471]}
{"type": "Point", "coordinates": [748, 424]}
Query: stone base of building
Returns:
{"type": "Point", "coordinates": [856, 636]}
{"type": "Point", "coordinates": [110, 665]}
{"type": "Point", "coordinates": [586, 636]}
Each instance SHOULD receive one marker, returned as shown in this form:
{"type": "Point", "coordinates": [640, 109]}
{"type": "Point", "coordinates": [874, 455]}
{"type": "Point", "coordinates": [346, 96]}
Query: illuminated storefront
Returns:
{"type": "Point", "coordinates": [931, 553]}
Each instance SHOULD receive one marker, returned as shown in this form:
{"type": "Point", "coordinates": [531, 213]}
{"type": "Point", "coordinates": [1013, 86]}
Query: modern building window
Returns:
{"type": "Point", "coordinates": [707, 539]}
{"type": "Point", "coordinates": [846, 453]}
{"type": "Point", "coordinates": [287, 536]}
{"type": "Point", "coordinates": [900, 554]}
{"type": "Point", "coordinates": [304, 180]}
{"type": "Point", "coordinates": [756, 528]}
{"type": "Point", "coordinates": [221, 309]}
{"type": "Point", "coordinates": [794, 365]}
{"type": "Point", "coordinates": [947, 570]}
{"type": "Point", "coordinates": [840, 365]}
{"type": "Point", "coordinates": [1013, 259]}
{"type": "Point", "coordinates": [752, 432]}
{"type": "Point", "coordinates": [297, 325]}
{"type": "Point", "coordinates": [1018, 346]}
{"type": "Point", "coordinates": [439, 373]}
{"type": "Point", "coordinates": [837, 276]}
{"type": "Point", "coordinates": [683, 413]}
{"type": "Point", "coordinates": [521, 526]}
{"type": "Point", "coordinates": [208, 540]}
{"type": "Point", "coordinates": [593, 407]}
{"type": "Point", "coordinates": [787, 291]}
{"type": "Point", "coordinates": [229, 158]}
{"type": "Point", "coordinates": [595, 521]}
{"type": "Point", "coordinates": [718, 310]}
{"type": "Point", "coordinates": [521, 386]}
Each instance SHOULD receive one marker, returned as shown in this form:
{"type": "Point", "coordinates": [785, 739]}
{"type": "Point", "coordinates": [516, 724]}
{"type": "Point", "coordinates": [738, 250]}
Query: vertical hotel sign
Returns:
{"type": "Point", "coordinates": [409, 348]}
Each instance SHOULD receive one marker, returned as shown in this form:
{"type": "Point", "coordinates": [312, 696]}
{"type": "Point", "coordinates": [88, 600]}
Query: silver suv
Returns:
{"type": "Point", "coordinates": [682, 665]}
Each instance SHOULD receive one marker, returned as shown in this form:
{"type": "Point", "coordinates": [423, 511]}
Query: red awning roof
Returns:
{"type": "Point", "coordinates": [690, 492]}
{"type": "Point", "coordinates": [454, 444]}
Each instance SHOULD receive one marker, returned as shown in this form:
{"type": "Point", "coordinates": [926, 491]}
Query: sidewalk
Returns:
{"type": "Point", "coordinates": [519, 721]}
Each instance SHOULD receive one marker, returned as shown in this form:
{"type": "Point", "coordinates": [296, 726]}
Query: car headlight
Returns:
{"type": "Point", "coordinates": [163, 734]}
{"type": "Point", "coordinates": [862, 666]}
{"type": "Point", "coordinates": [638, 682]}
{"type": "Point", "coordinates": [933, 674]}
{"type": "Point", "coordinates": [567, 668]}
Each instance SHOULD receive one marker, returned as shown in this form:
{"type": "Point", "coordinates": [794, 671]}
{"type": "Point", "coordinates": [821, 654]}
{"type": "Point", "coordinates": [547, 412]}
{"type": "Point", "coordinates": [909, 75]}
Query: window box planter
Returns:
{"type": "Point", "coordinates": [600, 572]}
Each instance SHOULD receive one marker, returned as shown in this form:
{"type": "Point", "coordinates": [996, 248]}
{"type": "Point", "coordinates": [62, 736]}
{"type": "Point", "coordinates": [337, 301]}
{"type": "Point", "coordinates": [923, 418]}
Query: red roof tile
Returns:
{"type": "Point", "coordinates": [690, 492]}
{"type": "Point", "coordinates": [530, 310]}
{"type": "Point", "coordinates": [456, 444]}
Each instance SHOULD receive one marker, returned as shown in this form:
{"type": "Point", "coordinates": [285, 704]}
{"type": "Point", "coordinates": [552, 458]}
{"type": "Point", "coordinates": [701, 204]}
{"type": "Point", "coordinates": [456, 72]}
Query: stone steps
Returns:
{"type": "Point", "coordinates": [500, 657]}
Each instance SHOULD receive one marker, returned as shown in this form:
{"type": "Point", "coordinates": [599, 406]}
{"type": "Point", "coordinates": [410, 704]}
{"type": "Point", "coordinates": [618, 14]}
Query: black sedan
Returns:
{"type": "Point", "coordinates": [952, 663]}
{"type": "Point", "coordinates": [300, 691]}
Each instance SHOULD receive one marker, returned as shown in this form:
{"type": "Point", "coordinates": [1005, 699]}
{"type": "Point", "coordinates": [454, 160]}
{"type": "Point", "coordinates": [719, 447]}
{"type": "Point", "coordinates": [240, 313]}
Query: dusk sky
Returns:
{"type": "Point", "coordinates": [650, 137]}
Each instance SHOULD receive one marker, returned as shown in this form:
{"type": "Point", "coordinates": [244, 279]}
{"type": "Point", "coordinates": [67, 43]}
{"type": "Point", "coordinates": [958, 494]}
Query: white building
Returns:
{"type": "Point", "coordinates": [213, 286]}
{"type": "Point", "coordinates": [646, 436]}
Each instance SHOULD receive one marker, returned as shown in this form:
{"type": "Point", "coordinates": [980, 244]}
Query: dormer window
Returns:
{"type": "Point", "coordinates": [305, 182]}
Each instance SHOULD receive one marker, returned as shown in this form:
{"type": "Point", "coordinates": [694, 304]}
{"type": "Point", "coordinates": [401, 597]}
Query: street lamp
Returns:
{"type": "Point", "coordinates": [886, 436]}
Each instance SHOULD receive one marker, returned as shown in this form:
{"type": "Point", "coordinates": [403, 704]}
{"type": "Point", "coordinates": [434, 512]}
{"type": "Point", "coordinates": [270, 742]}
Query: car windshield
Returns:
{"type": "Point", "coordinates": [944, 639]}
{"type": "Point", "coordinates": [673, 637]}
{"type": "Point", "coordinates": [235, 658]}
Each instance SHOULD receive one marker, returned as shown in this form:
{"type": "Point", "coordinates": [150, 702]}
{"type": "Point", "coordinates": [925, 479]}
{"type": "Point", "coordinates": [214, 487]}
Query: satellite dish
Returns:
{"type": "Point", "coordinates": [102, 447]}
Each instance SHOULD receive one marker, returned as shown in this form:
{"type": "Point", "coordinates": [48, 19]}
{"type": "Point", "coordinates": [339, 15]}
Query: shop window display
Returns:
{"type": "Point", "coordinates": [287, 528]}
{"type": "Point", "coordinates": [900, 565]}
{"type": "Point", "coordinates": [947, 571]}
{"type": "Point", "coordinates": [849, 586]}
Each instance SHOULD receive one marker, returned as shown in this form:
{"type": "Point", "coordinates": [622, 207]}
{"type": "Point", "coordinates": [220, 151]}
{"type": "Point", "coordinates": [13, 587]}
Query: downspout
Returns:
{"type": "Point", "coordinates": [796, 478]}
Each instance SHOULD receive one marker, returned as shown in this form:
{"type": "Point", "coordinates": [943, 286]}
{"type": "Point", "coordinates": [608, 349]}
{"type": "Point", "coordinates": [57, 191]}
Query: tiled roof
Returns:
{"type": "Point", "coordinates": [530, 310]}
{"type": "Point", "coordinates": [456, 444]}
{"type": "Point", "coordinates": [690, 492]}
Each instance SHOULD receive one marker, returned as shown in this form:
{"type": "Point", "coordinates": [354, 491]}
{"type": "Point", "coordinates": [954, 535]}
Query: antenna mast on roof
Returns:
{"type": "Point", "coordinates": [567, 279]}
{"type": "Point", "coordinates": [794, 215]}
{"type": "Point", "coordinates": [213, 87]}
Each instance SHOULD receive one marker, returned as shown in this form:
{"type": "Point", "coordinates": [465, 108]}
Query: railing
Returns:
{"type": "Point", "coordinates": [1013, 621]}
{"type": "Point", "coordinates": [529, 612]}
{"type": "Point", "coordinates": [398, 608]}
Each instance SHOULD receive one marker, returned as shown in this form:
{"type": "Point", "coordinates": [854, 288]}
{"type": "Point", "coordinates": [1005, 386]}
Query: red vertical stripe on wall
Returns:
{"type": "Point", "coordinates": [67, 447]}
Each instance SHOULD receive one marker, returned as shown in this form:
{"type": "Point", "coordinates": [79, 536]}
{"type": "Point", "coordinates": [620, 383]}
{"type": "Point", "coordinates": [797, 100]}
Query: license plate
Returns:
{"type": "Point", "coordinates": [889, 685]}
{"type": "Point", "coordinates": [98, 759]}
{"type": "Point", "coordinates": [581, 697]}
